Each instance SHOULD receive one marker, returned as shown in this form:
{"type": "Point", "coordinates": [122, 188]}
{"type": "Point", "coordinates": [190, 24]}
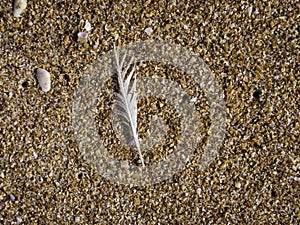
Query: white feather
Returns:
{"type": "Point", "coordinates": [127, 97]}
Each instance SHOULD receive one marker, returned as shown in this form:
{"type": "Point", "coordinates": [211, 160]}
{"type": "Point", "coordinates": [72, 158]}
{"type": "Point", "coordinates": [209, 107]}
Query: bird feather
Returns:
{"type": "Point", "coordinates": [126, 99]}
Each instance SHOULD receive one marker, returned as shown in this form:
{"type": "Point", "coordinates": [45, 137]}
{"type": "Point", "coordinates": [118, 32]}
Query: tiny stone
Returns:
{"type": "Point", "coordinates": [12, 197]}
{"type": "Point", "coordinates": [77, 219]}
{"type": "Point", "coordinates": [35, 155]}
{"type": "Point", "coordinates": [193, 99]}
{"type": "Point", "coordinates": [19, 220]}
{"type": "Point", "coordinates": [297, 178]}
{"type": "Point", "coordinates": [149, 30]}
{"type": "Point", "coordinates": [238, 185]}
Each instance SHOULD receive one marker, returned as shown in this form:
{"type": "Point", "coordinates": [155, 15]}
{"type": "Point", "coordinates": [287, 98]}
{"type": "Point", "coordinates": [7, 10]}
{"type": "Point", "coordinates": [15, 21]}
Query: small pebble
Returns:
{"type": "Point", "coordinates": [149, 31]}
{"type": "Point", "coordinates": [19, 6]}
{"type": "Point", "coordinates": [77, 219]}
{"type": "Point", "coordinates": [238, 185]}
{"type": "Point", "coordinates": [193, 99]}
{"type": "Point", "coordinates": [43, 77]}
{"type": "Point", "coordinates": [12, 197]}
{"type": "Point", "coordinates": [35, 155]}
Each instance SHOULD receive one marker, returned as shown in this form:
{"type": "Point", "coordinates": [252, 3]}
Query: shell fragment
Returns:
{"type": "Point", "coordinates": [82, 37]}
{"type": "Point", "coordinates": [87, 26]}
{"type": "Point", "coordinates": [19, 6]}
{"type": "Point", "coordinates": [43, 77]}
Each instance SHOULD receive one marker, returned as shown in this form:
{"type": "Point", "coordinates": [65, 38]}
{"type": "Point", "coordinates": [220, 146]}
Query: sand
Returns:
{"type": "Point", "coordinates": [253, 50]}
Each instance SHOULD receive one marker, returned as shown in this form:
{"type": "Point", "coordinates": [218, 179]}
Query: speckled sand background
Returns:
{"type": "Point", "coordinates": [252, 47]}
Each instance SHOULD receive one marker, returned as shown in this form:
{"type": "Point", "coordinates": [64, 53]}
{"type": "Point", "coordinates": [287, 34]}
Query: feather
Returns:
{"type": "Point", "coordinates": [126, 99]}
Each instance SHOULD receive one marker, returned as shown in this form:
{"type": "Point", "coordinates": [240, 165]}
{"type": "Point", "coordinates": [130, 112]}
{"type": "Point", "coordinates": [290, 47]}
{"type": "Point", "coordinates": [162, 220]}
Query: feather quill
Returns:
{"type": "Point", "coordinates": [127, 97]}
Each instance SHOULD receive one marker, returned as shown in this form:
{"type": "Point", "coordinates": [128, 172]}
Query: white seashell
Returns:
{"type": "Point", "coordinates": [82, 37]}
{"type": "Point", "coordinates": [19, 6]}
{"type": "Point", "coordinates": [43, 77]}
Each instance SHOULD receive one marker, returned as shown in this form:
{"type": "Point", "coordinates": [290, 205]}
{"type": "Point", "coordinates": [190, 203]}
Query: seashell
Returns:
{"type": "Point", "coordinates": [19, 6]}
{"type": "Point", "coordinates": [43, 77]}
{"type": "Point", "coordinates": [82, 37]}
